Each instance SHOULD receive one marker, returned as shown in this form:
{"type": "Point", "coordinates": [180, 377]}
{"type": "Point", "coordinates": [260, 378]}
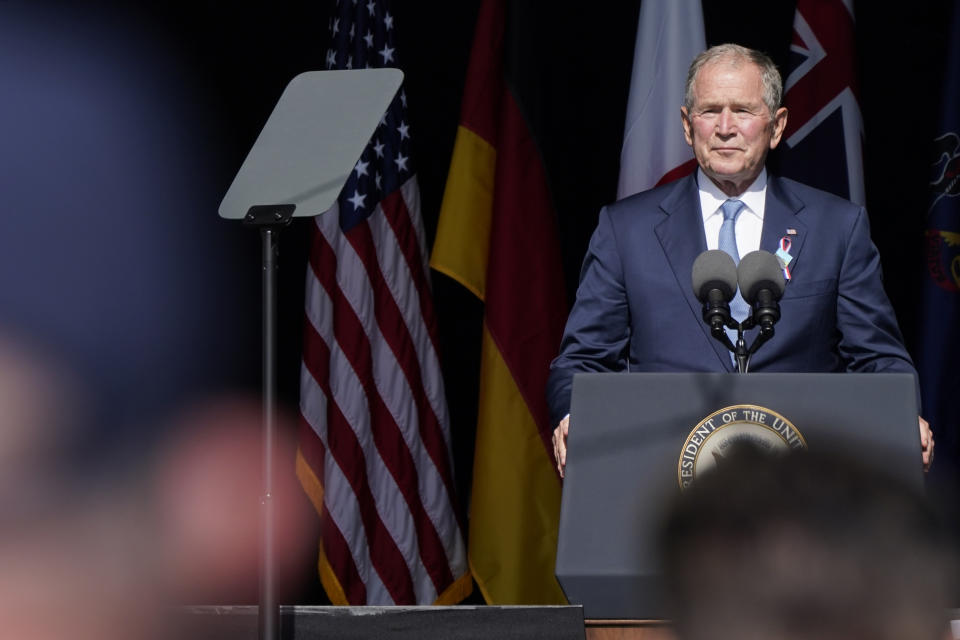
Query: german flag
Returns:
{"type": "Point", "coordinates": [497, 237]}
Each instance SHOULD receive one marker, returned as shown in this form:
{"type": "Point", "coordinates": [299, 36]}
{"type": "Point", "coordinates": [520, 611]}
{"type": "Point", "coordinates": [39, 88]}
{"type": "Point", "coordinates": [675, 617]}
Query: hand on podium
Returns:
{"type": "Point", "coordinates": [926, 443]}
{"type": "Point", "coordinates": [560, 443]}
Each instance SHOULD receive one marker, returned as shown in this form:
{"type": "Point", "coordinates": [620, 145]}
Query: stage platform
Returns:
{"type": "Point", "coordinates": [426, 623]}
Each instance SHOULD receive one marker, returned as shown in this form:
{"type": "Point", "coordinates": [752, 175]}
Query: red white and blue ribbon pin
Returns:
{"type": "Point", "coordinates": [783, 255]}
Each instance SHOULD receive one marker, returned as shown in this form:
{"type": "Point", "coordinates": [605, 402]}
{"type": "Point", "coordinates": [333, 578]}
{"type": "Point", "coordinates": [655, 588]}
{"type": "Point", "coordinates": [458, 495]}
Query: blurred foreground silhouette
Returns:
{"type": "Point", "coordinates": [103, 554]}
{"type": "Point", "coordinates": [802, 547]}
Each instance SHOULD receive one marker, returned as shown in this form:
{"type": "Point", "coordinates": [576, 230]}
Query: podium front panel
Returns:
{"type": "Point", "coordinates": [627, 433]}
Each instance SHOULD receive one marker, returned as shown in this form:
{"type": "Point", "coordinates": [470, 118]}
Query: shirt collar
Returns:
{"type": "Point", "coordinates": [711, 197]}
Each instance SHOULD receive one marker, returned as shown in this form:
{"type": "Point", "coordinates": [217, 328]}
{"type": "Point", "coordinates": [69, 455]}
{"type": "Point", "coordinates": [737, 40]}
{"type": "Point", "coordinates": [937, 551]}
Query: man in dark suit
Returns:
{"type": "Point", "coordinates": [635, 308]}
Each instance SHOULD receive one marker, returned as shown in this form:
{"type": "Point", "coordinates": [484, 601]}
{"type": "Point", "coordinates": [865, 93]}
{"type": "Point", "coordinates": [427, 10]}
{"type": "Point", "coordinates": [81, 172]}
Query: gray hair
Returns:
{"type": "Point", "coordinates": [735, 54]}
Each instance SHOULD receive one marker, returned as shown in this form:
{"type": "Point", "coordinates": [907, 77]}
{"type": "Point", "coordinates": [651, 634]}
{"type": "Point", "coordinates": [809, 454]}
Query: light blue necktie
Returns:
{"type": "Point", "coordinates": [727, 242]}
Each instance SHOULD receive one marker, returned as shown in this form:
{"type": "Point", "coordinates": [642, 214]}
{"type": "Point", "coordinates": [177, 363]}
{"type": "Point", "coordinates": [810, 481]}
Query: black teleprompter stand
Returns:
{"type": "Point", "coordinates": [301, 159]}
{"type": "Point", "coordinates": [269, 219]}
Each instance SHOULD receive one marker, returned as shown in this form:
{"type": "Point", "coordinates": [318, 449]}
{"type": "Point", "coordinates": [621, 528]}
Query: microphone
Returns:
{"type": "Point", "coordinates": [715, 283]}
{"type": "Point", "coordinates": [761, 285]}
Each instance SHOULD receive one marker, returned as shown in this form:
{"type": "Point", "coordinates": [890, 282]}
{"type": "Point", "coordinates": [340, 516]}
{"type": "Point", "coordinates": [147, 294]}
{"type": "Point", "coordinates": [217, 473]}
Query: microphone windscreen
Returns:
{"type": "Point", "coordinates": [760, 270]}
{"type": "Point", "coordinates": [714, 269]}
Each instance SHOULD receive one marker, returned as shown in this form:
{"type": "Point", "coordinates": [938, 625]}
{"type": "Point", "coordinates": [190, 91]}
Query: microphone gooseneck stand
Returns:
{"type": "Point", "coordinates": [740, 350]}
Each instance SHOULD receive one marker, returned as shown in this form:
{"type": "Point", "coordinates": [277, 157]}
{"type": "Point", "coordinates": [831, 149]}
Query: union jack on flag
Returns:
{"type": "Point", "coordinates": [374, 442]}
{"type": "Point", "coordinates": [823, 139]}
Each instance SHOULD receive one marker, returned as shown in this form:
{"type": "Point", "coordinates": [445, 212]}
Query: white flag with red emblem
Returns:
{"type": "Point", "coordinates": [669, 36]}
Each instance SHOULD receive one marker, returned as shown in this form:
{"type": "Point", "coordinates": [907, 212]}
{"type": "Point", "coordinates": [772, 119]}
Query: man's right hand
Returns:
{"type": "Point", "coordinates": [560, 444]}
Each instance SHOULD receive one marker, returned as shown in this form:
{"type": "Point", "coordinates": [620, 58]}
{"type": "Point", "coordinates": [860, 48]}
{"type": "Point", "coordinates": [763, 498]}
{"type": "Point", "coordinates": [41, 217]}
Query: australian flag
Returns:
{"type": "Point", "coordinates": [939, 346]}
{"type": "Point", "coordinates": [822, 144]}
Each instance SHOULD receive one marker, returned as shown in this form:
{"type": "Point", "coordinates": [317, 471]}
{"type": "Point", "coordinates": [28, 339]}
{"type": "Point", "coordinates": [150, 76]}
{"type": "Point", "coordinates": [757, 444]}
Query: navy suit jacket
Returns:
{"type": "Point", "coordinates": [636, 310]}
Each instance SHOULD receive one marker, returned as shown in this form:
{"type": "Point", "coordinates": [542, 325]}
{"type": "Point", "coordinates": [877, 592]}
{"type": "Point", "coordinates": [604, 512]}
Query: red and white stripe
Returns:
{"type": "Point", "coordinates": [375, 428]}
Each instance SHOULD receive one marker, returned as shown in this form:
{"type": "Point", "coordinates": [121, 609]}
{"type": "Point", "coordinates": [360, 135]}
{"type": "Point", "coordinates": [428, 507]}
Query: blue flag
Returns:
{"type": "Point", "coordinates": [939, 343]}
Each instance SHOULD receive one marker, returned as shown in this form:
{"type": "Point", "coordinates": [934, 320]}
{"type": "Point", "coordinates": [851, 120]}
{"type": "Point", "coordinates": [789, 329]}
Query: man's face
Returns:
{"type": "Point", "coordinates": [729, 125]}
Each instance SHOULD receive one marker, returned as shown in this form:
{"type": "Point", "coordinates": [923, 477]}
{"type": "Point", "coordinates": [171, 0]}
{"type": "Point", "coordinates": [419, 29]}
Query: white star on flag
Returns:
{"type": "Point", "coordinates": [401, 162]}
{"type": "Point", "coordinates": [368, 38]}
{"type": "Point", "coordinates": [372, 7]}
{"type": "Point", "coordinates": [357, 200]}
{"type": "Point", "coordinates": [388, 21]}
{"type": "Point", "coordinates": [361, 168]}
{"type": "Point", "coordinates": [378, 148]}
{"type": "Point", "coordinates": [387, 54]}
{"type": "Point", "coordinates": [403, 129]}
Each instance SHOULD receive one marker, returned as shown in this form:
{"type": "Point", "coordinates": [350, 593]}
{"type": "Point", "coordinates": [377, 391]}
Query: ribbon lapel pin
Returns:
{"type": "Point", "coordinates": [783, 254]}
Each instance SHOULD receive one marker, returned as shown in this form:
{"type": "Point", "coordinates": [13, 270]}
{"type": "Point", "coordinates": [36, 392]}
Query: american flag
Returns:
{"type": "Point", "coordinates": [374, 452]}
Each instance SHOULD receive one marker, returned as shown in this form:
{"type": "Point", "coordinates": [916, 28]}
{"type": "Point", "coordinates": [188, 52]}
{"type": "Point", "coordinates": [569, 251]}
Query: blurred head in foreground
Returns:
{"type": "Point", "coordinates": [802, 547]}
{"type": "Point", "coordinates": [105, 555]}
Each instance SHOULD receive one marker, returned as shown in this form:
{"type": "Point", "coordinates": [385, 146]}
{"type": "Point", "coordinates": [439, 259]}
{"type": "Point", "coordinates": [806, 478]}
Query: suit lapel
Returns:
{"type": "Point", "coordinates": [779, 216]}
{"type": "Point", "coordinates": [681, 237]}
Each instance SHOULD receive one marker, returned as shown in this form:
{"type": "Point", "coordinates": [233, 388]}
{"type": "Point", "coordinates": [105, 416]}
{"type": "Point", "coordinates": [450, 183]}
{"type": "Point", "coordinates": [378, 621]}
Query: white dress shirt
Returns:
{"type": "Point", "coordinates": [750, 220]}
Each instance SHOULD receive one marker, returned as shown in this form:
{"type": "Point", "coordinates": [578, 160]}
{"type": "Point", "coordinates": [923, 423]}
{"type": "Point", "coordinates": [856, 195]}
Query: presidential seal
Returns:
{"type": "Point", "coordinates": [719, 433]}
